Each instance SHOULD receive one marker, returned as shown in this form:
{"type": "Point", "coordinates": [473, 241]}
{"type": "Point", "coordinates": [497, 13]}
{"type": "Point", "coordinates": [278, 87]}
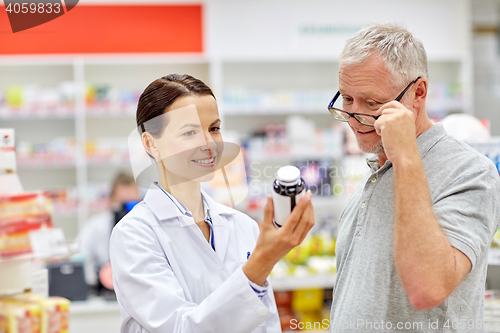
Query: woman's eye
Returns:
{"type": "Point", "coordinates": [190, 133]}
{"type": "Point", "coordinates": [215, 129]}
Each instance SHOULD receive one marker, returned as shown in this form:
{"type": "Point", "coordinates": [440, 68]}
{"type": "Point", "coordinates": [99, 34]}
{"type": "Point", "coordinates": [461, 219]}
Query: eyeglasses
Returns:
{"type": "Point", "coordinates": [365, 119]}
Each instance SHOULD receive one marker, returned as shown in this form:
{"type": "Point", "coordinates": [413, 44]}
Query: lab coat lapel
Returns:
{"type": "Point", "coordinates": [170, 210]}
{"type": "Point", "coordinates": [163, 206]}
{"type": "Point", "coordinates": [171, 215]}
{"type": "Point", "coordinates": [220, 215]}
{"type": "Point", "coordinates": [221, 237]}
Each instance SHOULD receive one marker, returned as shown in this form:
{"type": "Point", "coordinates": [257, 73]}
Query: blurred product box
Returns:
{"type": "Point", "coordinates": [33, 313]}
{"type": "Point", "coordinates": [31, 100]}
{"type": "Point", "coordinates": [21, 214]}
{"type": "Point", "coordinates": [307, 300]}
{"type": "Point", "coordinates": [316, 174]}
{"type": "Point", "coordinates": [7, 151]}
{"type": "Point", "coordinates": [19, 317]}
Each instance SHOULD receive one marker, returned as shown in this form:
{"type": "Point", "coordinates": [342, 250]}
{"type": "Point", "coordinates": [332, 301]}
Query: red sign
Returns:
{"type": "Point", "coordinates": [110, 29]}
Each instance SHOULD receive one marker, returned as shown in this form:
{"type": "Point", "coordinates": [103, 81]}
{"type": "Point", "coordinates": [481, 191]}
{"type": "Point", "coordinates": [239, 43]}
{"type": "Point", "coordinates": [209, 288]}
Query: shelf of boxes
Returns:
{"type": "Point", "coordinates": [494, 256]}
{"type": "Point", "coordinates": [492, 315]}
{"type": "Point", "coordinates": [324, 281]}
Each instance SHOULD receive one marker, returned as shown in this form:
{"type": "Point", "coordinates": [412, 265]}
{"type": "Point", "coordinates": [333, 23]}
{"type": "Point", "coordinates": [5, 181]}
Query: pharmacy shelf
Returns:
{"type": "Point", "coordinates": [323, 281]}
{"type": "Point", "coordinates": [258, 111]}
{"type": "Point", "coordinates": [112, 113]}
{"type": "Point", "coordinates": [17, 270]}
{"type": "Point", "coordinates": [94, 315]}
{"type": "Point", "coordinates": [443, 105]}
{"type": "Point", "coordinates": [325, 200]}
{"type": "Point", "coordinates": [33, 116]}
{"type": "Point", "coordinates": [494, 256]}
{"type": "Point", "coordinates": [276, 157]}
{"type": "Point", "coordinates": [94, 305]}
{"type": "Point", "coordinates": [128, 111]}
{"type": "Point", "coordinates": [492, 315]}
{"type": "Point", "coordinates": [117, 163]}
{"type": "Point", "coordinates": [46, 164]}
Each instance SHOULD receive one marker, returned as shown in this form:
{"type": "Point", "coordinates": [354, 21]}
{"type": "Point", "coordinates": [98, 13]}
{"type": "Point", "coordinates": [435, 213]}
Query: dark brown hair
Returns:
{"type": "Point", "coordinates": [162, 93]}
{"type": "Point", "coordinates": [121, 179]}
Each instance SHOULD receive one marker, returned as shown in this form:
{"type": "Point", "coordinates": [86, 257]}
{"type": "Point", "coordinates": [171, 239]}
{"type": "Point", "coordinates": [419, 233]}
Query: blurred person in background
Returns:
{"type": "Point", "coordinates": [413, 239]}
{"type": "Point", "coordinates": [95, 235]}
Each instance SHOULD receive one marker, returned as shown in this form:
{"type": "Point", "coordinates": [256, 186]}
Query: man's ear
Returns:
{"type": "Point", "coordinates": [420, 93]}
{"type": "Point", "coordinates": [149, 145]}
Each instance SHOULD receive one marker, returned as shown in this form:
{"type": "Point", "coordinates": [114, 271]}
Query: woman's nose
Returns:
{"type": "Point", "coordinates": [209, 142]}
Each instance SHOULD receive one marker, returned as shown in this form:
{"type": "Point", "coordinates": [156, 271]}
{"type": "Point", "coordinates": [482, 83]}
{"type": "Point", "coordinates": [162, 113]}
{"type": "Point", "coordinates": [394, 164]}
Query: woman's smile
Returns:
{"type": "Point", "coordinates": [206, 162]}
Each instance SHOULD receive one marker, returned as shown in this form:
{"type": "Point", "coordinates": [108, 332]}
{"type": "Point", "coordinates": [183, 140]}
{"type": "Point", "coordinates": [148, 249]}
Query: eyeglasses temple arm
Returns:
{"type": "Point", "coordinates": [334, 99]}
{"type": "Point", "coordinates": [406, 89]}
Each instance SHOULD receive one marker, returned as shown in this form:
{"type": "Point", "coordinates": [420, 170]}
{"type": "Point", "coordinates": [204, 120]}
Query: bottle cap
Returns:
{"type": "Point", "coordinates": [288, 175]}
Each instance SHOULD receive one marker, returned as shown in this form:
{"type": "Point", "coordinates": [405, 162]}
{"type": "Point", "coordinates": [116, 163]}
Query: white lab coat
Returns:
{"type": "Point", "coordinates": [167, 277]}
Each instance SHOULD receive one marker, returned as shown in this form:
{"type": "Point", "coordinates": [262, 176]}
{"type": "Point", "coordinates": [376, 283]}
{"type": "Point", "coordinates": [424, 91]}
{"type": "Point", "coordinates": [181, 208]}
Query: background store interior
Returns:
{"type": "Point", "coordinates": [273, 66]}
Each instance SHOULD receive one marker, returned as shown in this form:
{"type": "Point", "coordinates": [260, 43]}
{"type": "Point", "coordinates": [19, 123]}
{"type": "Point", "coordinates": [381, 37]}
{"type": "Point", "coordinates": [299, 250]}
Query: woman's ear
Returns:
{"type": "Point", "coordinates": [420, 94]}
{"type": "Point", "coordinates": [149, 145]}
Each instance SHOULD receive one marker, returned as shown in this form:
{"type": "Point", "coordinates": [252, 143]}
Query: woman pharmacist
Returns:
{"type": "Point", "coordinates": [181, 261]}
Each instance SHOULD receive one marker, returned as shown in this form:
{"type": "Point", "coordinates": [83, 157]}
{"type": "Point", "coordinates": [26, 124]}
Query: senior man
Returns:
{"type": "Point", "coordinates": [413, 239]}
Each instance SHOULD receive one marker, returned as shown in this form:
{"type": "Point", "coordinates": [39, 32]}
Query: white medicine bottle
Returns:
{"type": "Point", "coordinates": [288, 189]}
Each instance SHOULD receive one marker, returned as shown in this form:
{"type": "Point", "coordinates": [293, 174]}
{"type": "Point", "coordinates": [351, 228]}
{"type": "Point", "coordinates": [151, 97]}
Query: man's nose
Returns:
{"type": "Point", "coordinates": [355, 108]}
{"type": "Point", "coordinates": [353, 122]}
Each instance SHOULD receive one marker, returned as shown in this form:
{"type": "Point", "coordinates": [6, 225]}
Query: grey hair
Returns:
{"type": "Point", "coordinates": [402, 53]}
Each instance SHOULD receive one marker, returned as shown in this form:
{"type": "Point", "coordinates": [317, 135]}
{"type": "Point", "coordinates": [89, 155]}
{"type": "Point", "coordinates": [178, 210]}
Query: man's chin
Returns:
{"type": "Point", "coordinates": [376, 148]}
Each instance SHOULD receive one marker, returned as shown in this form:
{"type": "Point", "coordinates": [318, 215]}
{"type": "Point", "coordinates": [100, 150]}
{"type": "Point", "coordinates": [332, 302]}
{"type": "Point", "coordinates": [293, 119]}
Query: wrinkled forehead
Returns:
{"type": "Point", "coordinates": [373, 69]}
{"type": "Point", "coordinates": [367, 77]}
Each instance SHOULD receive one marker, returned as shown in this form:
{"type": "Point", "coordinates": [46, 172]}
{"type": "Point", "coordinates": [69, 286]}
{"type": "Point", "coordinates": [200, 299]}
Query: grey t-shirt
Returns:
{"type": "Point", "coordinates": [465, 191]}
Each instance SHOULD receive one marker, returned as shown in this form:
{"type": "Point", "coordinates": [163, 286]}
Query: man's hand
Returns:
{"type": "Point", "coordinates": [396, 127]}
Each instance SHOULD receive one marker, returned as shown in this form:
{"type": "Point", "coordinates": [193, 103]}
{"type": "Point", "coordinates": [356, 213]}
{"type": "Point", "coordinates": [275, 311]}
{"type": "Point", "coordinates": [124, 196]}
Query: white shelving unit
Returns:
{"type": "Point", "coordinates": [94, 315]}
{"type": "Point", "coordinates": [323, 281]}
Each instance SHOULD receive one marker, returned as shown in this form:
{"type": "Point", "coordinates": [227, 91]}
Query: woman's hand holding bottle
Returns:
{"type": "Point", "coordinates": [275, 243]}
